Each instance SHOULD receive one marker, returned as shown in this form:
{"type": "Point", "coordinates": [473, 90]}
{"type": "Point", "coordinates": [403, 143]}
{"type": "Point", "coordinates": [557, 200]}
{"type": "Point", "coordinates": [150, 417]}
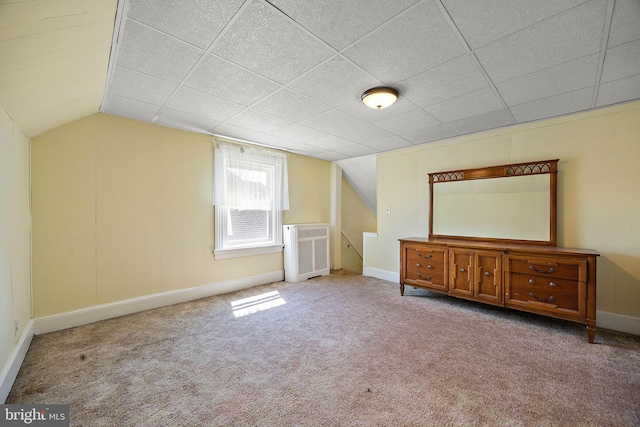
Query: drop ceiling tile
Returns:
{"type": "Point", "coordinates": [267, 43]}
{"type": "Point", "coordinates": [181, 120]}
{"type": "Point", "coordinates": [312, 152]}
{"type": "Point", "coordinates": [331, 142]}
{"type": "Point", "coordinates": [285, 144]}
{"type": "Point", "coordinates": [255, 120]}
{"type": "Point", "coordinates": [569, 36]}
{"type": "Point", "coordinates": [406, 122]}
{"type": "Point", "coordinates": [196, 22]}
{"type": "Point", "coordinates": [625, 25]}
{"type": "Point", "coordinates": [203, 105]}
{"type": "Point", "coordinates": [358, 110]}
{"type": "Point", "coordinates": [469, 105]}
{"type": "Point", "coordinates": [619, 91]}
{"type": "Point", "coordinates": [225, 80]}
{"type": "Point", "coordinates": [484, 21]}
{"type": "Point", "coordinates": [428, 134]}
{"type": "Point", "coordinates": [236, 132]}
{"type": "Point", "coordinates": [290, 105]}
{"type": "Point", "coordinates": [490, 120]}
{"type": "Point", "coordinates": [139, 86]}
{"type": "Point", "coordinates": [393, 142]}
{"type": "Point", "coordinates": [341, 22]}
{"type": "Point", "coordinates": [411, 44]}
{"type": "Point", "coordinates": [331, 156]}
{"type": "Point", "coordinates": [566, 77]}
{"type": "Point", "coordinates": [335, 82]}
{"type": "Point", "coordinates": [300, 133]}
{"type": "Point", "coordinates": [621, 61]}
{"type": "Point", "coordinates": [131, 108]}
{"type": "Point", "coordinates": [355, 150]}
{"type": "Point", "coordinates": [553, 106]}
{"type": "Point", "coordinates": [151, 52]}
{"type": "Point", "coordinates": [446, 81]}
{"type": "Point", "coordinates": [345, 126]}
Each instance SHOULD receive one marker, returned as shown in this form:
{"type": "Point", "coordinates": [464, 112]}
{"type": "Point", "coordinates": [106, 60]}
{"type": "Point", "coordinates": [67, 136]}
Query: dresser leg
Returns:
{"type": "Point", "coordinates": [591, 332]}
{"type": "Point", "coordinates": [401, 289]}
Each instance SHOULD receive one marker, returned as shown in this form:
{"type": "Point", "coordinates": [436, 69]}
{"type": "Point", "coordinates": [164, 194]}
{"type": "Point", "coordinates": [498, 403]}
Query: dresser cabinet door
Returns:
{"type": "Point", "coordinates": [461, 263]}
{"type": "Point", "coordinates": [488, 276]}
{"type": "Point", "coordinates": [547, 284]}
{"type": "Point", "coordinates": [476, 274]}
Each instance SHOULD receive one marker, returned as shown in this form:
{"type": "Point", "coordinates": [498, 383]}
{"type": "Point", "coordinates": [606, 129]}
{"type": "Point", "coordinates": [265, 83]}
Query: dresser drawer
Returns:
{"type": "Point", "coordinates": [548, 267]}
{"type": "Point", "coordinates": [544, 299]}
{"type": "Point", "coordinates": [545, 293]}
{"type": "Point", "coordinates": [425, 255]}
{"type": "Point", "coordinates": [426, 266]}
{"type": "Point", "coordinates": [421, 274]}
{"type": "Point", "coordinates": [541, 284]}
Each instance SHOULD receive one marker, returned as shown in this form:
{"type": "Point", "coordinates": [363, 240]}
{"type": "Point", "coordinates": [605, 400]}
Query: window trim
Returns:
{"type": "Point", "coordinates": [248, 251]}
{"type": "Point", "coordinates": [273, 246]}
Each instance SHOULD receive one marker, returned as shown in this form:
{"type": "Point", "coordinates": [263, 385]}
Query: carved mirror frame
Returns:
{"type": "Point", "coordinates": [503, 171]}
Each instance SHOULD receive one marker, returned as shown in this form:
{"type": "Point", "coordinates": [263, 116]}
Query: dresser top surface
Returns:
{"type": "Point", "coordinates": [513, 247]}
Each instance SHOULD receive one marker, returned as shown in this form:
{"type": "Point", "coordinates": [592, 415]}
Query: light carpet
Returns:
{"type": "Point", "coordinates": [339, 350]}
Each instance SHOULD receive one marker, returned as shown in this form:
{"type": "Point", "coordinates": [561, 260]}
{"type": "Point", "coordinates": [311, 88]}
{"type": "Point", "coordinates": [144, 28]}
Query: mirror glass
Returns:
{"type": "Point", "coordinates": [515, 207]}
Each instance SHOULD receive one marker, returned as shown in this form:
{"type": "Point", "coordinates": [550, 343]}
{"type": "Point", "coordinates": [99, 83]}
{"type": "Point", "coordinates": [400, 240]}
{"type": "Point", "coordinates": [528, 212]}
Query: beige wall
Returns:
{"type": "Point", "coordinates": [598, 190]}
{"type": "Point", "coordinates": [356, 218]}
{"type": "Point", "coordinates": [309, 191]}
{"type": "Point", "coordinates": [123, 209]}
{"type": "Point", "coordinates": [15, 235]}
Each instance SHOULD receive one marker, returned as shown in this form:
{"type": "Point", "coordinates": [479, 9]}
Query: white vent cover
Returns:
{"type": "Point", "coordinates": [306, 251]}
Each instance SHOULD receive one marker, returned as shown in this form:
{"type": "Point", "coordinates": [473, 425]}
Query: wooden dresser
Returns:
{"type": "Point", "coordinates": [547, 280]}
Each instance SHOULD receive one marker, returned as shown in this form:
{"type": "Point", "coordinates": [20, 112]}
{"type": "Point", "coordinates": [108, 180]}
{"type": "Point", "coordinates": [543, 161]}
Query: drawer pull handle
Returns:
{"type": "Point", "coordinates": [422, 256]}
{"type": "Point", "coordinates": [532, 295]}
{"type": "Point", "coordinates": [418, 265]}
{"type": "Point", "coordinates": [486, 273]}
{"type": "Point", "coordinates": [429, 266]}
{"type": "Point", "coordinates": [533, 267]}
{"type": "Point", "coordinates": [552, 298]}
{"type": "Point", "coordinates": [552, 284]}
{"type": "Point", "coordinates": [428, 277]}
{"type": "Point", "coordinates": [532, 281]}
{"type": "Point", "coordinates": [462, 270]}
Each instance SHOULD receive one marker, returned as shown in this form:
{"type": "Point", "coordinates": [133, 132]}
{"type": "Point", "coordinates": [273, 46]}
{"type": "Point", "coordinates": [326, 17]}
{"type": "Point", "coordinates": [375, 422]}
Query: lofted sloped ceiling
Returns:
{"type": "Point", "coordinates": [290, 73]}
{"type": "Point", "coordinates": [54, 60]}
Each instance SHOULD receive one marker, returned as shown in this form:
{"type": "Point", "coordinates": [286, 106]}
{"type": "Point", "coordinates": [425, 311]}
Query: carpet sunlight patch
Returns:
{"type": "Point", "coordinates": [245, 306]}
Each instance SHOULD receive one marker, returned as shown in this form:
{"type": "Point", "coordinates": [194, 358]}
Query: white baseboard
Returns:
{"type": "Point", "coordinates": [618, 322]}
{"type": "Point", "coordinates": [11, 368]}
{"type": "Point", "coordinates": [381, 274]}
{"type": "Point", "coordinates": [56, 322]}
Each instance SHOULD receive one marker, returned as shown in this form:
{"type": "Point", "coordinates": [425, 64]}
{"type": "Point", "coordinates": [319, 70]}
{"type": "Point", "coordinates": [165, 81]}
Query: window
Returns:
{"type": "Point", "coordinates": [250, 185]}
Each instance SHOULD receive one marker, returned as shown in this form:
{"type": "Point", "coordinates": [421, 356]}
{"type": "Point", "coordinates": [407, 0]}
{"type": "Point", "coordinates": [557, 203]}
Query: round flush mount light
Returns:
{"type": "Point", "coordinates": [379, 97]}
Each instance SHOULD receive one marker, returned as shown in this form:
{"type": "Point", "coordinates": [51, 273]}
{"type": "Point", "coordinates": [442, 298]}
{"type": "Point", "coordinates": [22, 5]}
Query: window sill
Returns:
{"type": "Point", "coordinates": [244, 252]}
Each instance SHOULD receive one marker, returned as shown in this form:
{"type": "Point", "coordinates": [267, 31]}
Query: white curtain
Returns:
{"type": "Point", "coordinates": [250, 178]}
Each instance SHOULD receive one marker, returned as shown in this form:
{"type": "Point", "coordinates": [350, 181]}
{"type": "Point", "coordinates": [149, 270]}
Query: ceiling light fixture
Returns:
{"type": "Point", "coordinates": [379, 97]}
